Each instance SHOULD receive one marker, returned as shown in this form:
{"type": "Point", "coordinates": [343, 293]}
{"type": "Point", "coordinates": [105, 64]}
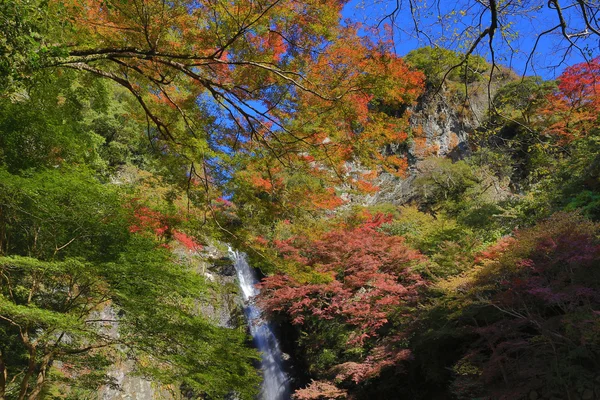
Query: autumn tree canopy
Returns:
{"type": "Point", "coordinates": [277, 79]}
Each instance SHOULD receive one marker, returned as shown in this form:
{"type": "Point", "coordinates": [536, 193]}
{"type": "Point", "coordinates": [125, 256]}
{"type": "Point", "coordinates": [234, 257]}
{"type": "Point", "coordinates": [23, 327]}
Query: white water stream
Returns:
{"type": "Point", "coordinates": [275, 381]}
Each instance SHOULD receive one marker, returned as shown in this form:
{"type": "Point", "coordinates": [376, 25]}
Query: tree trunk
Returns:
{"type": "Point", "coordinates": [3, 377]}
{"type": "Point", "coordinates": [30, 367]}
{"type": "Point", "coordinates": [41, 378]}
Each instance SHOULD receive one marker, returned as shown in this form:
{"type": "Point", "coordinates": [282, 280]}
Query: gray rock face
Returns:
{"type": "Point", "coordinates": [128, 385]}
{"type": "Point", "coordinates": [392, 189]}
{"type": "Point", "coordinates": [441, 124]}
{"type": "Point", "coordinates": [132, 387]}
{"type": "Point", "coordinates": [443, 121]}
{"type": "Point", "coordinates": [224, 309]}
{"type": "Point", "coordinates": [439, 129]}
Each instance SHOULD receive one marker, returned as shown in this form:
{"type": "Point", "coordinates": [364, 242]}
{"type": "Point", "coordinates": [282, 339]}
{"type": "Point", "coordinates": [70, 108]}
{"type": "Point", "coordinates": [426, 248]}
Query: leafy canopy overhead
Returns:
{"type": "Point", "coordinates": [278, 78]}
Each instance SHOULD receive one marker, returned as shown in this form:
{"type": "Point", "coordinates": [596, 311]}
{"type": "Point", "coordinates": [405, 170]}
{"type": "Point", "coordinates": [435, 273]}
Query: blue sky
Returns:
{"type": "Point", "coordinates": [547, 60]}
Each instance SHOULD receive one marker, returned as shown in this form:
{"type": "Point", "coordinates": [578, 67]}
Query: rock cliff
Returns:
{"type": "Point", "coordinates": [441, 124]}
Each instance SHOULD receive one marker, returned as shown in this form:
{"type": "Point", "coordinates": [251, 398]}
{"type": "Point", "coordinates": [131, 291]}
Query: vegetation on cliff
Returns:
{"type": "Point", "coordinates": [134, 133]}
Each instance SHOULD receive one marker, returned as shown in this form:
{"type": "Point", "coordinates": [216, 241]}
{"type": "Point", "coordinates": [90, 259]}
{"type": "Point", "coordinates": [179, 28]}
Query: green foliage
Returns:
{"type": "Point", "coordinates": [519, 100]}
{"type": "Point", "coordinates": [67, 214]}
{"type": "Point", "coordinates": [176, 344]}
{"type": "Point", "coordinates": [52, 304]}
{"type": "Point", "coordinates": [442, 181]}
{"type": "Point", "coordinates": [470, 192]}
{"type": "Point", "coordinates": [45, 310]}
{"type": "Point", "coordinates": [436, 62]}
{"type": "Point", "coordinates": [570, 183]}
{"type": "Point", "coordinates": [424, 231]}
{"type": "Point", "coordinates": [60, 212]}
{"type": "Point", "coordinates": [576, 185]}
{"type": "Point", "coordinates": [46, 129]}
{"type": "Point", "coordinates": [20, 41]}
{"type": "Point", "coordinates": [65, 118]}
{"type": "Point", "coordinates": [587, 202]}
{"type": "Point", "coordinates": [513, 138]}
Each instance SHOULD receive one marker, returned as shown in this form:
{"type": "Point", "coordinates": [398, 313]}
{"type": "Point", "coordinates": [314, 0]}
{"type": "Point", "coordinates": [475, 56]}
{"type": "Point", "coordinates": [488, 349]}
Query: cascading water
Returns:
{"type": "Point", "coordinates": [275, 381]}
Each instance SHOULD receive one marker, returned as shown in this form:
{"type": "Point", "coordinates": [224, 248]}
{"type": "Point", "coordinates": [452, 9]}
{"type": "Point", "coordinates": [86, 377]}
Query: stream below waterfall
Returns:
{"type": "Point", "coordinates": [275, 381]}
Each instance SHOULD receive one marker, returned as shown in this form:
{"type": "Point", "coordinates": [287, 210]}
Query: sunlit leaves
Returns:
{"type": "Point", "coordinates": [361, 280]}
{"type": "Point", "coordinates": [573, 110]}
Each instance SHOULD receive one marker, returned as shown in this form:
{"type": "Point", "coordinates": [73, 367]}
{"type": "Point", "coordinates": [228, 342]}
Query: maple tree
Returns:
{"type": "Point", "coordinates": [360, 281]}
{"type": "Point", "coordinates": [573, 110]}
{"type": "Point", "coordinates": [214, 78]}
{"type": "Point", "coordinates": [537, 321]}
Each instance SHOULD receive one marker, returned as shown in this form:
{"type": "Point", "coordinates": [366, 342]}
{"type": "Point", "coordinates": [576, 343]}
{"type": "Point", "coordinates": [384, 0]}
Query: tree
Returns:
{"type": "Point", "coordinates": [436, 61]}
{"type": "Point", "coordinates": [70, 250]}
{"type": "Point", "coordinates": [536, 122]}
{"type": "Point", "coordinates": [19, 46]}
{"type": "Point", "coordinates": [572, 111]}
{"type": "Point", "coordinates": [347, 290]}
{"type": "Point", "coordinates": [213, 79]}
{"type": "Point", "coordinates": [533, 303]}
{"type": "Point", "coordinates": [46, 309]}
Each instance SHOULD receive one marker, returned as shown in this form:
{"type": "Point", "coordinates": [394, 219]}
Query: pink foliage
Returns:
{"type": "Point", "coordinates": [495, 250]}
{"type": "Point", "coordinates": [380, 358]}
{"type": "Point", "coordinates": [320, 390]}
{"type": "Point", "coordinates": [187, 241]}
{"type": "Point", "coordinates": [543, 291]}
{"type": "Point", "coordinates": [224, 202]}
{"type": "Point", "coordinates": [366, 282]}
{"type": "Point", "coordinates": [370, 277]}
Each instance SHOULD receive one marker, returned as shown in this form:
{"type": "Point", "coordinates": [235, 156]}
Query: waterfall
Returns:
{"type": "Point", "coordinates": [275, 381]}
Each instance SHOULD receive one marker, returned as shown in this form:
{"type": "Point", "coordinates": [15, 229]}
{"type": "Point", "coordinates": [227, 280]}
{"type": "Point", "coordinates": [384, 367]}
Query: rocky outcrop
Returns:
{"type": "Point", "coordinates": [441, 124]}
{"type": "Point", "coordinates": [439, 129]}
{"type": "Point", "coordinates": [125, 384]}
{"type": "Point", "coordinates": [223, 306]}
{"type": "Point", "coordinates": [442, 121]}
{"type": "Point", "coordinates": [128, 386]}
